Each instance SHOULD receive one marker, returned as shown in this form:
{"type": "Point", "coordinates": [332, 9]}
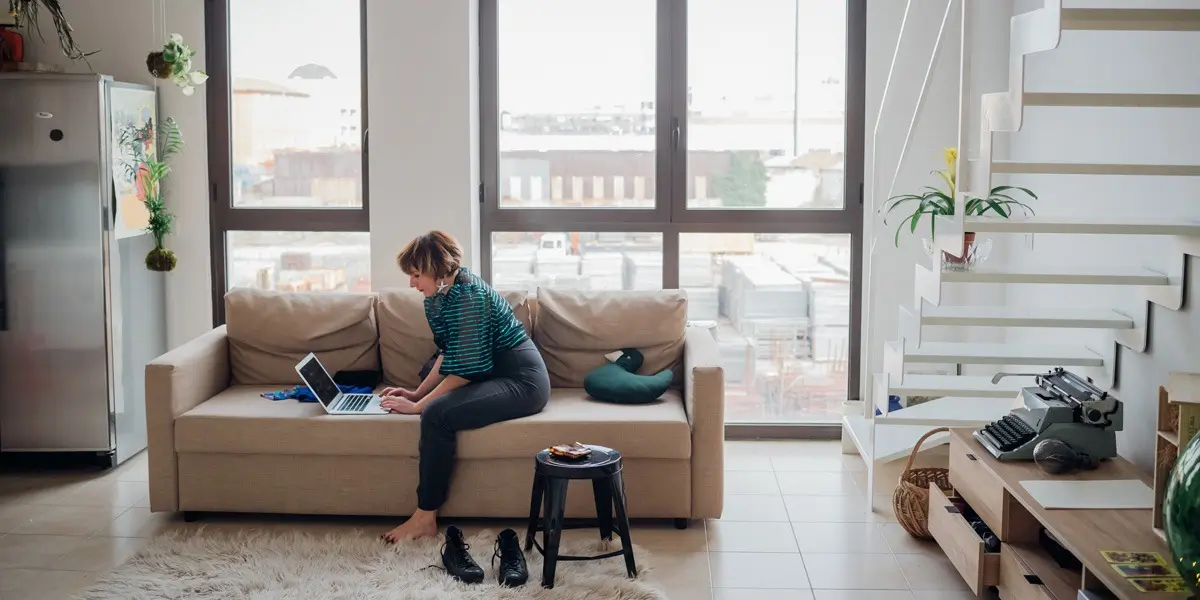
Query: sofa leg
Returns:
{"type": "Point", "coordinates": [190, 516]}
{"type": "Point", "coordinates": [681, 523]}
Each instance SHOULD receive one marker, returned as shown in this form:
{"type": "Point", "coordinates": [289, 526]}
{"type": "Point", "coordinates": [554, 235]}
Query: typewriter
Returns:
{"type": "Point", "coordinates": [1063, 406]}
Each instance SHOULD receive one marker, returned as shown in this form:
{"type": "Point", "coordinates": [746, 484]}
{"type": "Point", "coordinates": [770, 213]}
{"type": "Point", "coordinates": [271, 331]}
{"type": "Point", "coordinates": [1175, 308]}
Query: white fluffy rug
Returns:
{"type": "Point", "coordinates": [299, 566]}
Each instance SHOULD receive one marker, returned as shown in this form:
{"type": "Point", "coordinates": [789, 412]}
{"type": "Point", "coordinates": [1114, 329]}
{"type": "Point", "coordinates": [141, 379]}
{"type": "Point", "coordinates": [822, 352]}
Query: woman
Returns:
{"type": "Point", "coordinates": [487, 369]}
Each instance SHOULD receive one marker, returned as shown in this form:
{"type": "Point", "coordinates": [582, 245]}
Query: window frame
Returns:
{"type": "Point", "coordinates": [670, 215]}
{"type": "Point", "coordinates": [223, 216]}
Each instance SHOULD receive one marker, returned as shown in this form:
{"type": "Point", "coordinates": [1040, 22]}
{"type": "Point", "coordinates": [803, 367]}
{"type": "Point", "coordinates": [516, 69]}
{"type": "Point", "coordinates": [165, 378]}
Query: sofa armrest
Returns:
{"type": "Point", "coordinates": [177, 382]}
{"type": "Point", "coordinates": [704, 401]}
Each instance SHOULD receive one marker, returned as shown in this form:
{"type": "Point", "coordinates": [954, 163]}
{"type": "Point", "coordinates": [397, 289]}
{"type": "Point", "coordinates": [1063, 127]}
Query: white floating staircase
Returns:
{"type": "Point", "coordinates": [968, 401]}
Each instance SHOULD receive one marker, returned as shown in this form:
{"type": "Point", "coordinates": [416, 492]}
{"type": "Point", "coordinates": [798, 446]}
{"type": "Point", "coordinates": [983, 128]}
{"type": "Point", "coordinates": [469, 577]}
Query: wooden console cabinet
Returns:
{"type": "Point", "coordinates": [1022, 569]}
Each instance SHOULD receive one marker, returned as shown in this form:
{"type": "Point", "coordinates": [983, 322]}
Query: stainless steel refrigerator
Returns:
{"type": "Point", "coordinates": [80, 315]}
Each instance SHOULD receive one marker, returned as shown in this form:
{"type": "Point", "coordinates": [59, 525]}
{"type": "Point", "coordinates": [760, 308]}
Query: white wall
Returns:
{"type": "Point", "coordinates": [125, 31]}
{"type": "Point", "coordinates": [890, 268]}
{"type": "Point", "coordinates": [424, 120]}
{"type": "Point", "coordinates": [1113, 62]}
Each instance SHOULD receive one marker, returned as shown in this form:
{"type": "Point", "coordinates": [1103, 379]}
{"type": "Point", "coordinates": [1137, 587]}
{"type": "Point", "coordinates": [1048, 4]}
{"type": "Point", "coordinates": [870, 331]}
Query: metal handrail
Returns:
{"type": "Point", "coordinates": [875, 169]}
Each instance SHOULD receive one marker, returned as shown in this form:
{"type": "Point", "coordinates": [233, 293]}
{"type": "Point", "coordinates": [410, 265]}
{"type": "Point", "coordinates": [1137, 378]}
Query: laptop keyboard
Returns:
{"type": "Point", "coordinates": [354, 402]}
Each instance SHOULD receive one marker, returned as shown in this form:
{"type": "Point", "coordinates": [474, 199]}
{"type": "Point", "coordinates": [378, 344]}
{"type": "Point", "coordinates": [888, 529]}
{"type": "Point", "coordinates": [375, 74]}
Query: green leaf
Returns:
{"type": "Point", "coordinates": [1028, 209]}
{"type": "Point", "coordinates": [971, 208]}
{"type": "Point", "coordinates": [1005, 188]}
{"type": "Point", "coordinates": [900, 227]}
{"type": "Point", "coordinates": [996, 206]}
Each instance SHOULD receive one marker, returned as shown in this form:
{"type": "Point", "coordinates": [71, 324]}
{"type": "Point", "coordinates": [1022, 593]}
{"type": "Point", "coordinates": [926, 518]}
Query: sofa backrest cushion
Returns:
{"type": "Point", "coordinates": [405, 341]}
{"type": "Point", "coordinates": [575, 329]}
{"type": "Point", "coordinates": [269, 332]}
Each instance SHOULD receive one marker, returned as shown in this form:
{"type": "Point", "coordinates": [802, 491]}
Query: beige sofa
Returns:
{"type": "Point", "coordinates": [216, 445]}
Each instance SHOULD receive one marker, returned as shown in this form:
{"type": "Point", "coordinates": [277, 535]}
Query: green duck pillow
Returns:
{"type": "Point", "coordinates": [618, 382]}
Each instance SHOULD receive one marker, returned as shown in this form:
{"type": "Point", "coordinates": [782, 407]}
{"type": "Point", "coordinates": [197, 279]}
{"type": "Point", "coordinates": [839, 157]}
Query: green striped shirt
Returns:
{"type": "Point", "coordinates": [470, 324]}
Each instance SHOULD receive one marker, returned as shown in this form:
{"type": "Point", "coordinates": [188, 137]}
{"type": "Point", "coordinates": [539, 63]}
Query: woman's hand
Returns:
{"type": "Point", "coordinates": [410, 395]}
{"type": "Point", "coordinates": [400, 405]}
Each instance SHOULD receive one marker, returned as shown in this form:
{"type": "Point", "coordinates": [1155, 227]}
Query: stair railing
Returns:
{"type": "Point", "coordinates": [876, 201]}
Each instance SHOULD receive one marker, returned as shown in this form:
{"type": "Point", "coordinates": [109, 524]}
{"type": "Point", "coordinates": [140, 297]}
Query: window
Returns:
{"type": "Point", "coordinates": [286, 144]}
{"type": "Point", "coordinates": [779, 308]}
{"type": "Point", "coordinates": [573, 75]}
{"type": "Point", "coordinates": [766, 104]}
{"type": "Point", "coordinates": [577, 260]}
{"type": "Point", "coordinates": [299, 261]}
{"type": "Point", "coordinates": [710, 145]}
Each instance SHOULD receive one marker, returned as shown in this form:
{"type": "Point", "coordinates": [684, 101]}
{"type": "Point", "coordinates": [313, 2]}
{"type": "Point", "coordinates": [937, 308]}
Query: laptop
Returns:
{"type": "Point", "coordinates": [330, 397]}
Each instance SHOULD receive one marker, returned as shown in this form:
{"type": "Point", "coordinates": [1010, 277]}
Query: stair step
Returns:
{"type": "Point", "coordinates": [1123, 226]}
{"type": "Point", "coordinates": [891, 442]}
{"type": "Point", "coordinates": [1060, 355]}
{"type": "Point", "coordinates": [1133, 19]}
{"type": "Point", "coordinates": [1112, 100]}
{"type": "Point", "coordinates": [950, 411]}
{"type": "Point", "coordinates": [972, 386]}
{"type": "Point", "coordinates": [1062, 168]}
{"type": "Point", "coordinates": [1017, 316]}
{"type": "Point", "coordinates": [1077, 275]}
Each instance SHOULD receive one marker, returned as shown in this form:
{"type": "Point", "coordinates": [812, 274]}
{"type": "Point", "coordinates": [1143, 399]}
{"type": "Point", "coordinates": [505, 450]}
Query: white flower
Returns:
{"type": "Point", "coordinates": [175, 39]}
{"type": "Point", "coordinates": [197, 77]}
{"type": "Point", "coordinates": [188, 90]}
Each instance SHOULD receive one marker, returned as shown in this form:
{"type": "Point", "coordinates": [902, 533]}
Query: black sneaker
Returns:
{"type": "Point", "coordinates": [513, 571]}
{"type": "Point", "coordinates": [457, 559]}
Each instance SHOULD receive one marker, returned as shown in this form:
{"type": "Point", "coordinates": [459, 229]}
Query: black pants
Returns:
{"type": "Point", "coordinates": [517, 387]}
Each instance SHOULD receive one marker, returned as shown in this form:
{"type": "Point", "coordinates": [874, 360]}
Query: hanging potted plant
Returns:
{"type": "Point", "coordinates": [937, 203]}
{"type": "Point", "coordinates": [174, 62]}
{"type": "Point", "coordinates": [152, 149]}
{"type": "Point", "coordinates": [28, 12]}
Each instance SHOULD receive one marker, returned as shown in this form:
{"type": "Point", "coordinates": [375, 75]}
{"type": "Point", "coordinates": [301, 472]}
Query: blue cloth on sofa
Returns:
{"type": "Point", "coordinates": [303, 394]}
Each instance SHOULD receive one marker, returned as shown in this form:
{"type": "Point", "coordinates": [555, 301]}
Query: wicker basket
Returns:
{"type": "Point", "coordinates": [911, 498]}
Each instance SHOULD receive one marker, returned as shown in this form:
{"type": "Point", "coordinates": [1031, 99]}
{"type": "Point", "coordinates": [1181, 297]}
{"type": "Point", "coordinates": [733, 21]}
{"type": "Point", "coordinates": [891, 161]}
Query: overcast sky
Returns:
{"type": "Point", "coordinates": [572, 54]}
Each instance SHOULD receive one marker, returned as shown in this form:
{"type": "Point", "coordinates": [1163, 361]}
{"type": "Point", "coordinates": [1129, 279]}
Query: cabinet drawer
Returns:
{"type": "Point", "coordinates": [976, 484]}
{"type": "Point", "coordinates": [960, 543]}
{"type": "Point", "coordinates": [1017, 581]}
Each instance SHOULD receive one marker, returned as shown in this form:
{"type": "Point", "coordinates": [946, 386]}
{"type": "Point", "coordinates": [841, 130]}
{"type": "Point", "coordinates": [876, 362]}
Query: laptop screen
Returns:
{"type": "Point", "coordinates": [318, 380]}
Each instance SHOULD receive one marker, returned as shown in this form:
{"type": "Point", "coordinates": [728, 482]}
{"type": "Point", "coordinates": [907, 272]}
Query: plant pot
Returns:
{"type": "Point", "coordinates": [968, 241]}
{"type": "Point", "coordinates": [158, 66]}
{"type": "Point", "coordinates": [12, 46]}
{"type": "Point", "coordinates": [973, 253]}
{"type": "Point", "coordinates": [161, 259]}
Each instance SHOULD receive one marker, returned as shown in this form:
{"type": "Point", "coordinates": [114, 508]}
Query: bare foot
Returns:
{"type": "Point", "coordinates": [412, 529]}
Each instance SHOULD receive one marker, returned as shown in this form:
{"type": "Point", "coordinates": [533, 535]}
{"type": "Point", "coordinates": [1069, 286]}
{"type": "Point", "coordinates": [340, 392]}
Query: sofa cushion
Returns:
{"type": "Point", "coordinates": [240, 421]}
{"type": "Point", "coordinates": [576, 329]}
{"type": "Point", "coordinates": [269, 332]}
{"type": "Point", "coordinates": [405, 341]}
{"type": "Point", "coordinates": [658, 430]}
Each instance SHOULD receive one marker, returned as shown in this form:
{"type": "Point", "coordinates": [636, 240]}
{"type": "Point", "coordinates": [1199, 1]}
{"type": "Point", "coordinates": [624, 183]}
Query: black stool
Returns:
{"type": "Point", "coordinates": [550, 479]}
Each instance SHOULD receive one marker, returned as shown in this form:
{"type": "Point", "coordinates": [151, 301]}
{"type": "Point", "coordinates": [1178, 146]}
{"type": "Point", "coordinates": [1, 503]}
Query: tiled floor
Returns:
{"type": "Point", "coordinates": [795, 527]}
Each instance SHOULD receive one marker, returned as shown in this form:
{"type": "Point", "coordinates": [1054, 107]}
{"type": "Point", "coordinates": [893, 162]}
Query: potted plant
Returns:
{"type": "Point", "coordinates": [29, 11]}
{"type": "Point", "coordinates": [174, 62]}
{"type": "Point", "coordinates": [152, 149]}
{"type": "Point", "coordinates": [937, 203]}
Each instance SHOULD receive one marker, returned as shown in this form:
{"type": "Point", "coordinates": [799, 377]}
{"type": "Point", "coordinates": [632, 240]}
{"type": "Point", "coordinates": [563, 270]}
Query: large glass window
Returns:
{"type": "Point", "coordinates": [577, 260]}
{"type": "Point", "coordinates": [766, 104]}
{"type": "Point", "coordinates": [299, 261]}
{"type": "Point", "coordinates": [286, 141]}
{"type": "Point", "coordinates": [779, 308]}
{"type": "Point", "coordinates": [576, 103]}
{"type": "Point", "coordinates": [717, 146]}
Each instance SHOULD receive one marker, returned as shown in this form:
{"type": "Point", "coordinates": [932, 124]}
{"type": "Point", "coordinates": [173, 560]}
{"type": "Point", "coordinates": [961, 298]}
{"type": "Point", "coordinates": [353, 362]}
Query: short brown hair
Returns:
{"type": "Point", "coordinates": [435, 253]}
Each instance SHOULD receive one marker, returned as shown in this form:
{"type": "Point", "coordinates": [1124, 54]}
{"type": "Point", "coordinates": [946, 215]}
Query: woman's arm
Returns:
{"type": "Point", "coordinates": [431, 380]}
{"type": "Point", "coordinates": [448, 384]}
